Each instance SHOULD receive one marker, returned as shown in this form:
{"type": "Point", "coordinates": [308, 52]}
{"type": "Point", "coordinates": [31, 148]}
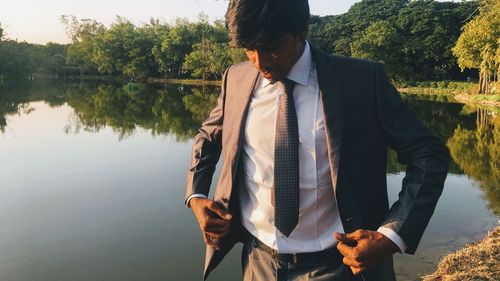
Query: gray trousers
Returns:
{"type": "Point", "coordinates": [259, 265]}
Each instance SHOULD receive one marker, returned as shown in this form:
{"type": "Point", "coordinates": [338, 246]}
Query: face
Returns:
{"type": "Point", "coordinates": [274, 60]}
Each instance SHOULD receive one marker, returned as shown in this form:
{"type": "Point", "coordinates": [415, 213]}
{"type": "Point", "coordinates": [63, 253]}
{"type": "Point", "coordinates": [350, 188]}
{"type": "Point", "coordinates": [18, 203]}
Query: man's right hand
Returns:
{"type": "Point", "coordinates": [213, 219]}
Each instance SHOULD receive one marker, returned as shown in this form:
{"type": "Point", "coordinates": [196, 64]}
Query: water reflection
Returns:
{"type": "Point", "coordinates": [477, 153]}
{"type": "Point", "coordinates": [472, 135]}
{"type": "Point", "coordinates": [96, 197]}
{"type": "Point", "coordinates": [173, 109]}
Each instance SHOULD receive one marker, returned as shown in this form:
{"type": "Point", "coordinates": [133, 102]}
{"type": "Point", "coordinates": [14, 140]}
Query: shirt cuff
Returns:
{"type": "Point", "coordinates": [391, 234]}
{"type": "Point", "coordinates": [196, 195]}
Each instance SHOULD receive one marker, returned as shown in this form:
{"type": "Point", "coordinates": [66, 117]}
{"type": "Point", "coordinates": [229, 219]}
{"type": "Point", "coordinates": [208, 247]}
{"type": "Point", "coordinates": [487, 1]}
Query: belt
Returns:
{"type": "Point", "coordinates": [331, 254]}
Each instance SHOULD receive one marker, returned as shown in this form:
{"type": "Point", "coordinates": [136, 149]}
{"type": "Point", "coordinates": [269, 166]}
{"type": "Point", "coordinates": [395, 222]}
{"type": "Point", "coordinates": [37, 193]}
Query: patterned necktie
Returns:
{"type": "Point", "coordinates": [286, 162]}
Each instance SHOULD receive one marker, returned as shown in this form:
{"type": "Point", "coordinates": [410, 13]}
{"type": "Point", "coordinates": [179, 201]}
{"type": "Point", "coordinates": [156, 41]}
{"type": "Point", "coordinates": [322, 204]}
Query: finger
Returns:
{"type": "Point", "coordinates": [351, 262]}
{"type": "Point", "coordinates": [357, 270]}
{"type": "Point", "coordinates": [343, 238]}
{"type": "Point", "coordinates": [210, 242]}
{"type": "Point", "coordinates": [355, 267]}
{"type": "Point", "coordinates": [217, 235]}
{"type": "Point", "coordinates": [356, 235]}
{"type": "Point", "coordinates": [211, 224]}
{"type": "Point", "coordinates": [219, 211]}
{"type": "Point", "coordinates": [216, 222]}
{"type": "Point", "coordinates": [346, 250]}
{"type": "Point", "coordinates": [217, 229]}
{"type": "Point", "coordinates": [338, 236]}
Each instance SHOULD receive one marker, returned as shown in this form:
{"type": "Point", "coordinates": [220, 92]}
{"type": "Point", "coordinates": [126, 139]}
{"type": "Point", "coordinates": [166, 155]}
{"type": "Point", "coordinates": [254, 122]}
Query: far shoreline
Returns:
{"type": "Point", "coordinates": [465, 94]}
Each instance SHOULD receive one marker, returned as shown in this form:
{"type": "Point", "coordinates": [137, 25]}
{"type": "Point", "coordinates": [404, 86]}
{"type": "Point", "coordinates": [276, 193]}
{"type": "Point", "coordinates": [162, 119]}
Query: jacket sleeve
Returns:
{"type": "Point", "coordinates": [425, 157]}
{"type": "Point", "coordinates": [206, 149]}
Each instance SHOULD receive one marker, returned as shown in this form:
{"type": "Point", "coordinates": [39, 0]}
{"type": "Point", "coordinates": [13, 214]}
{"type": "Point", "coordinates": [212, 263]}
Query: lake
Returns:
{"type": "Point", "coordinates": [93, 177]}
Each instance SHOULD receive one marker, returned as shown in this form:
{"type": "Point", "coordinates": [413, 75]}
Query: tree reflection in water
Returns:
{"type": "Point", "coordinates": [477, 152]}
{"type": "Point", "coordinates": [473, 136]}
{"type": "Point", "coordinates": [173, 109]}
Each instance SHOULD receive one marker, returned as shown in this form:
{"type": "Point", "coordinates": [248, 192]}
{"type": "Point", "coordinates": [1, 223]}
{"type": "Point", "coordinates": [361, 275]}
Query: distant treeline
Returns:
{"type": "Point", "coordinates": [413, 38]}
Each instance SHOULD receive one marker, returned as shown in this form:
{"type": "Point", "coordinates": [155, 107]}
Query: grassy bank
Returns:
{"type": "Point", "coordinates": [184, 81]}
{"type": "Point", "coordinates": [444, 91]}
{"type": "Point", "coordinates": [441, 91]}
{"type": "Point", "coordinates": [478, 261]}
{"type": "Point", "coordinates": [463, 92]}
{"type": "Point", "coordinates": [124, 79]}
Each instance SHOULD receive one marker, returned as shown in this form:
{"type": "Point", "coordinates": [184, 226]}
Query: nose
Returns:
{"type": "Point", "coordinates": [262, 60]}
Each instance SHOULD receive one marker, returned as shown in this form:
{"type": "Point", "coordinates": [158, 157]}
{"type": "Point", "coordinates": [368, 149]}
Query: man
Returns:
{"type": "Point", "coordinates": [304, 138]}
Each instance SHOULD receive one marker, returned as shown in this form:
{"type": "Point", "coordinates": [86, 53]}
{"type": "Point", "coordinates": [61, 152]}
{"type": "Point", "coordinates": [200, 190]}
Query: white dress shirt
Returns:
{"type": "Point", "coordinates": [318, 214]}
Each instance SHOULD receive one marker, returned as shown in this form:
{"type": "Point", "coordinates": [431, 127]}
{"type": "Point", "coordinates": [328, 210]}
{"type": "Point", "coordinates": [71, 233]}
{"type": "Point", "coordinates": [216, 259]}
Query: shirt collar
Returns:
{"type": "Point", "coordinates": [299, 73]}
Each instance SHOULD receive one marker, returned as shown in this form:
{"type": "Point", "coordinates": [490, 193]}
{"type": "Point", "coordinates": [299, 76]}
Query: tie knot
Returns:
{"type": "Point", "coordinates": [286, 85]}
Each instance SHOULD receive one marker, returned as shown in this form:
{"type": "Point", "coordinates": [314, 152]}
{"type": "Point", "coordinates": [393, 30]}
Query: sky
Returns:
{"type": "Point", "coordinates": [37, 21]}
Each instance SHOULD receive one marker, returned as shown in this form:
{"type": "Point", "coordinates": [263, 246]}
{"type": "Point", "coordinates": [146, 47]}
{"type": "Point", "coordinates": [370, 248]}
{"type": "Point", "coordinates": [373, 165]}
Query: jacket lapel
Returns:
{"type": "Point", "coordinates": [330, 84]}
{"type": "Point", "coordinates": [239, 90]}
{"type": "Point", "coordinates": [244, 87]}
{"type": "Point", "coordinates": [238, 95]}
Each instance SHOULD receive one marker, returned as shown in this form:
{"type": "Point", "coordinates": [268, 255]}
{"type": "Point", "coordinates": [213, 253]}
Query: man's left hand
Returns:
{"type": "Point", "coordinates": [363, 249]}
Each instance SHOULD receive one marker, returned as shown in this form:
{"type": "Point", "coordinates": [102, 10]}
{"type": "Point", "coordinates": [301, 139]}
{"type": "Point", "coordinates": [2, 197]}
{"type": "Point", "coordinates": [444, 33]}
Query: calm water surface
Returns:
{"type": "Point", "coordinates": [92, 183]}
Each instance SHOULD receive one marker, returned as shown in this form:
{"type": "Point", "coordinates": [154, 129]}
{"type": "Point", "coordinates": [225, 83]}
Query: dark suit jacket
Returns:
{"type": "Point", "coordinates": [364, 115]}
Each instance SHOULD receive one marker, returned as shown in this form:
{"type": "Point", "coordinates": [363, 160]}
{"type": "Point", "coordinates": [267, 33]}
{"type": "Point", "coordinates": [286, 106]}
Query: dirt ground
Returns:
{"type": "Point", "coordinates": [474, 262]}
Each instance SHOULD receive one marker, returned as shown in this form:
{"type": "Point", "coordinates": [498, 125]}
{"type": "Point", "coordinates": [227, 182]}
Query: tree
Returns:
{"type": "Point", "coordinates": [81, 30]}
{"type": "Point", "coordinates": [477, 47]}
{"type": "Point", "coordinates": [182, 38]}
{"type": "Point", "coordinates": [126, 49]}
{"type": "Point", "coordinates": [160, 32]}
{"type": "Point", "coordinates": [416, 39]}
{"type": "Point", "coordinates": [210, 60]}
{"type": "Point", "coordinates": [176, 45]}
{"type": "Point", "coordinates": [416, 36]}
{"type": "Point", "coordinates": [428, 30]}
{"type": "Point", "coordinates": [82, 34]}
{"type": "Point", "coordinates": [316, 33]}
{"type": "Point", "coordinates": [380, 42]}
{"type": "Point", "coordinates": [362, 14]}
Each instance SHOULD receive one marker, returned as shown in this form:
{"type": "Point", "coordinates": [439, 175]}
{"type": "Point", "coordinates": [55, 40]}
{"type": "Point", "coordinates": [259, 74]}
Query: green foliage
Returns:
{"type": "Point", "coordinates": [198, 102]}
{"type": "Point", "coordinates": [210, 60]}
{"type": "Point", "coordinates": [423, 35]}
{"type": "Point", "coordinates": [163, 111]}
{"type": "Point", "coordinates": [473, 138]}
{"type": "Point", "coordinates": [412, 38]}
{"type": "Point", "coordinates": [21, 60]}
{"type": "Point", "coordinates": [81, 33]}
{"type": "Point", "coordinates": [149, 50]}
{"type": "Point", "coordinates": [478, 46]}
{"type": "Point", "coordinates": [362, 14]}
{"type": "Point", "coordinates": [185, 37]}
{"type": "Point", "coordinates": [81, 30]}
{"type": "Point", "coordinates": [178, 43]}
{"type": "Point", "coordinates": [477, 152]}
{"type": "Point", "coordinates": [380, 42]}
